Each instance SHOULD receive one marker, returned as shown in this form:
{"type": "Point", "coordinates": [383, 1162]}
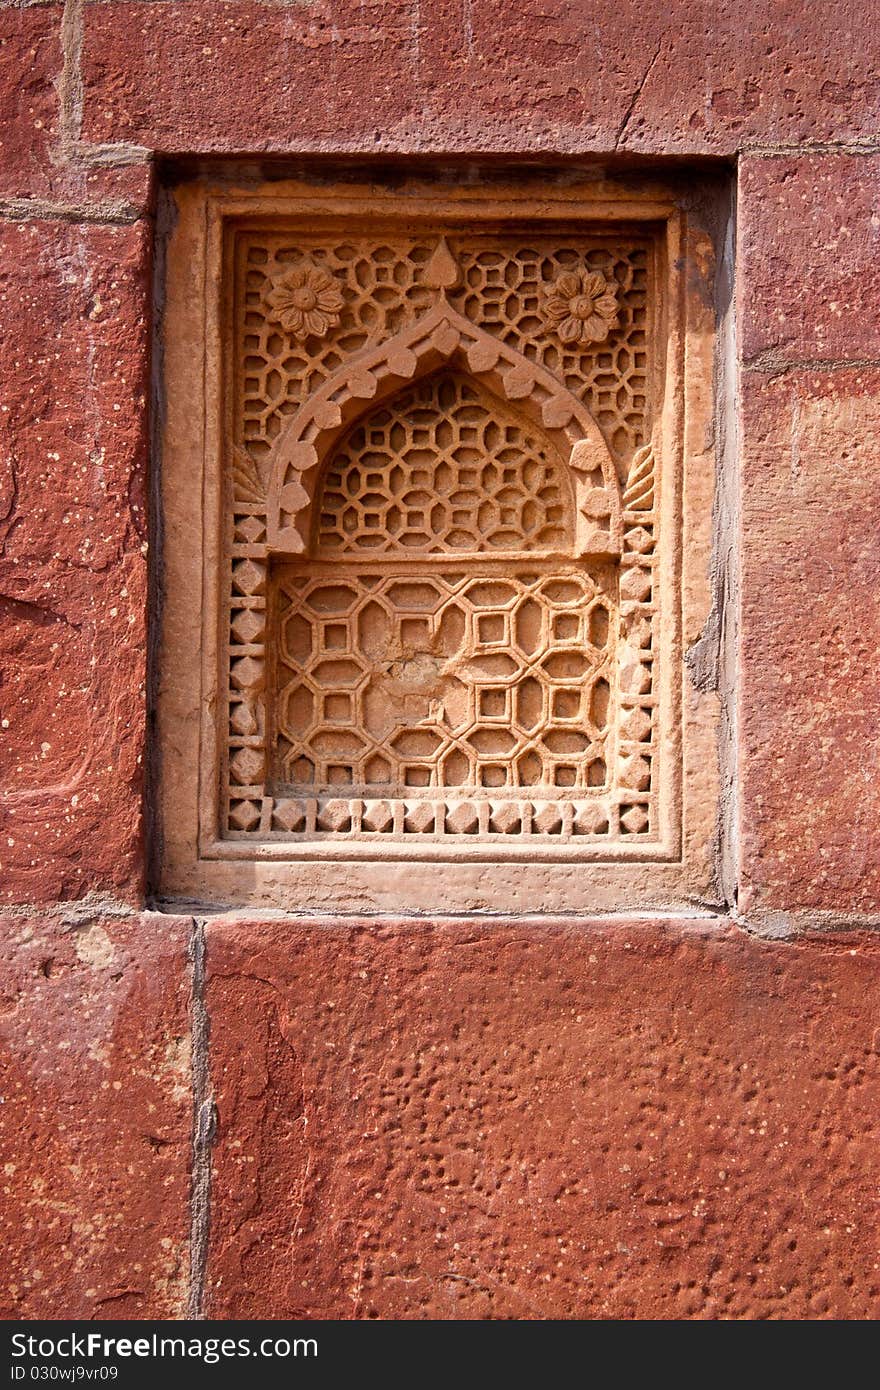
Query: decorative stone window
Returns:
{"type": "Point", "coordinates": [423, 461]}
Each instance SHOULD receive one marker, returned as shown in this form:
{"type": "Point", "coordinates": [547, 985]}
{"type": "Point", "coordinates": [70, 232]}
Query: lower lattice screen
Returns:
{"type": "Point", "coordinates": [405, 686]}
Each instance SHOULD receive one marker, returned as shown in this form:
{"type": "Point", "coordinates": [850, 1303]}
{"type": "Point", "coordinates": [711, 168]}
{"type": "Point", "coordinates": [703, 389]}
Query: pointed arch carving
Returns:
{"type": "Point", "coordinates": [442, 336]}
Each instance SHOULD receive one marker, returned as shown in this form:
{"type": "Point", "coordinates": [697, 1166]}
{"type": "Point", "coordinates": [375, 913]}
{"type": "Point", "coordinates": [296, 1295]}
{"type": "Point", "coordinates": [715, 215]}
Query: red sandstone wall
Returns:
{"type": "Point", "coordinates": [459, 1119]}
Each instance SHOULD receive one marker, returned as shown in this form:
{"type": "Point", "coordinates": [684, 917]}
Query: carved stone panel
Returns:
{"type": "Point", "coordinates": [448, 522]}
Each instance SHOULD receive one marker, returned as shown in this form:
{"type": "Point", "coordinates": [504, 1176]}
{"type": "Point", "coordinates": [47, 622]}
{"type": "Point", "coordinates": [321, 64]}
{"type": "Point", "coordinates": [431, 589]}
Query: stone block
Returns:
{"type": "Point", "coordinates": [96, 1117]}
{"type": "Point", "coordinates": [809, 258]}
{"type": "Point", "coordinates": [30, 66]}
{"type": "Point", "coordinates": [601, 1119]}
{"type": "Point", "coordinates": [809, 642]}
{"type": "Point", "coordinates": [482, 77]}
{"type": "Point", "coordinates": [73, 558]}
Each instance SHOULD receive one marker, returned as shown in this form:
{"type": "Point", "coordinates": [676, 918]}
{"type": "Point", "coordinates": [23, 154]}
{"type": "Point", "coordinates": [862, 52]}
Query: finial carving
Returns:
{"type": "Point", "coordinates": [442, 271]}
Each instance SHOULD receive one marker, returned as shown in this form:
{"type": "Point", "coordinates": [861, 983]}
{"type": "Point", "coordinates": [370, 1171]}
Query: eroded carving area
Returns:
{"type": "Point", "coordinates": [439, 679]}
{"type": "Point", "coordinates": [442, 537]}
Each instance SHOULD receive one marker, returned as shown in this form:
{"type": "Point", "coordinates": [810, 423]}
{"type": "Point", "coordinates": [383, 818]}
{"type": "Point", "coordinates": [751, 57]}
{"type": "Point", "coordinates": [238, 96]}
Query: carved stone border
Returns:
{"type": "Point", "coordinates": [197, 859]}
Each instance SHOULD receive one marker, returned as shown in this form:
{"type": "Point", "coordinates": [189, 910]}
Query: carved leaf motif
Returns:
{"type": "Point", "coordinates": [363, 385]}
{"type": "Point", "coordinates": [402, 362]}
{"type": "Point", "coordinates": [300, 457]}
{"type": "Point", "coordinates": [327, 415]}
{"type": "Point", "coordinates": [293, 497]}
{"type": "Point", "coordinates": [587, 456]}
{"type": "Point", "coordinates": [556, 413]}
{"type": "Point", "coordinates": [518, 383]}
{"type": "Point", "coordinates": [638, 495]}
{"type": "Point", "coordinates": [483, 355]}
{"type": "Point", "coordinates": [595, 503]}
{"type": "Point", "coordinates": [445, 339]}
{"type": "Point", "coordinates": [247, 484]}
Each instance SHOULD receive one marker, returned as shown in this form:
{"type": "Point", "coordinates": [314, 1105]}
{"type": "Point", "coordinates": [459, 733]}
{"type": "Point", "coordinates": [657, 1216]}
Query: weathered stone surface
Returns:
{"type": "Point", "coordinates": [72, 558]}
{"type": "Point", "coordinates": [475, 1118]}
{"type": "Point", "coordinates": [810, 638]}
{"type": "Point", "coordinates": [96, 1116]}
{"type": "Point", "coordinates": [30, 65]}
{"type": "Point", "coordinates": [809, 257]}
{"type": "Point", "coordinates": [704, 77]}
{"type": "Point", "coordinates": [525, 1120]}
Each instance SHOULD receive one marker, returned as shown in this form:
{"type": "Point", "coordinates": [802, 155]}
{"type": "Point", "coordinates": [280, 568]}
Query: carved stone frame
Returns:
{"type": "Point", "coordinates": [194, 859]}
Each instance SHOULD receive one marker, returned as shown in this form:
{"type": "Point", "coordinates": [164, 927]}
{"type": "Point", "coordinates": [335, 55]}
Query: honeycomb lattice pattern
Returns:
{"type": "Point", "coordinates": [440, 470]}
{"type": "Point", "coordinates": [393, 682]}
{"type": "Point", "coordinates": [501, 288]}
{"type": "Point", "coordinates": [433, 666]}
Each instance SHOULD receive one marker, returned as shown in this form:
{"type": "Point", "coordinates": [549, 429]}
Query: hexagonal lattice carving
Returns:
{"type": "Point", "coordinates": [442, 538]}
{"type": "Point", "coordinates": [442, 468]}
{"type": "Point", "coordinates": [391, 682]}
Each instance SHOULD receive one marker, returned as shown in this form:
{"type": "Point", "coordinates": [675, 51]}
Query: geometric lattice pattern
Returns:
{"type": "Point", "coordinates": [441, 660]}
{"type": "Point", "coordinates": [440, 470]}
{"type": "Point", "coordinates": [502, 284]}
{"type": "Point", "coordinates": [433, 679]}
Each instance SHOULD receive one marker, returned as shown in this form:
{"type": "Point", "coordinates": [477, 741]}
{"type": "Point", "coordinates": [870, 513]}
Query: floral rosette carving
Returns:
{"type": "Point", "coordinates": [581, 307]}
{"type": "Point", "coordinates": [305, 299]}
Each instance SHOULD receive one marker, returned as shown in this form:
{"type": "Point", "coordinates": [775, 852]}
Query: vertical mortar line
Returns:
{"type": "Point", "coordinates": [728, 542]}
{"type": "Point", "coordinates": [467, 25]}
{"type": "Point", "coordinates": [162, 227]}
{"type": "Point", "coordinates": [203, 1124]}
{"type": "Point", "coordinates": [70, 83]}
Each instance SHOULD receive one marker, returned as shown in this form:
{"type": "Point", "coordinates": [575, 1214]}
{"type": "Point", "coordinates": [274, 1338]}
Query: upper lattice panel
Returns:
{"type": "Point", "coordinates": [441, 469]}
{"type": "Point", "coordinates": [304, 306]}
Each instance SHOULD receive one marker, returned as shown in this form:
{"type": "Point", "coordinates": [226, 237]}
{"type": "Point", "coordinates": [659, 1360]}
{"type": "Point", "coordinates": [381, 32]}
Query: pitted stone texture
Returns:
{"type": "Point", "coordinates": [809, 258]}
{"type": "Point", "coordinates": [30, 64]}
{"type": "Point", "coordinates": [39, 155]}
{"type": "Point", "coordinates": [72, 558]}
{"type": "Point", "coordinates": [810, 637]}
{"type": "Point", "coordinates": [525, 1120]}
{"type": "Point", "coordinates": [704, 77]}
{"type": "Point", "coordinates": [96, 1119]}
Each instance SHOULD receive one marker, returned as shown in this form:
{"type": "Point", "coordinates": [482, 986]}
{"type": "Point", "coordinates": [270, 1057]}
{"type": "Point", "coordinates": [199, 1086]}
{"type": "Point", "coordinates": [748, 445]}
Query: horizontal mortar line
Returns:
{"type": "Point", "coordinates": [798, 923]}
{"type": "Point", "coordinates": [766, 924]}
{"type": "Point", "coordinates": [109, 153]}
{"type": "Point", "coordinates": [770, 364]}
{"type": "Point", "coordinates": [76, 911]}
{"type": "Point", "coordinates": [859, 145]}
{"type": "Point", "coordinates": [792, 924]}
{"type": "Point", "coordinates": [259, 912]}
{"type": "Point", "coordinates": [27, 209]}
{"type": "Point", "coordinates": [777, 367]}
